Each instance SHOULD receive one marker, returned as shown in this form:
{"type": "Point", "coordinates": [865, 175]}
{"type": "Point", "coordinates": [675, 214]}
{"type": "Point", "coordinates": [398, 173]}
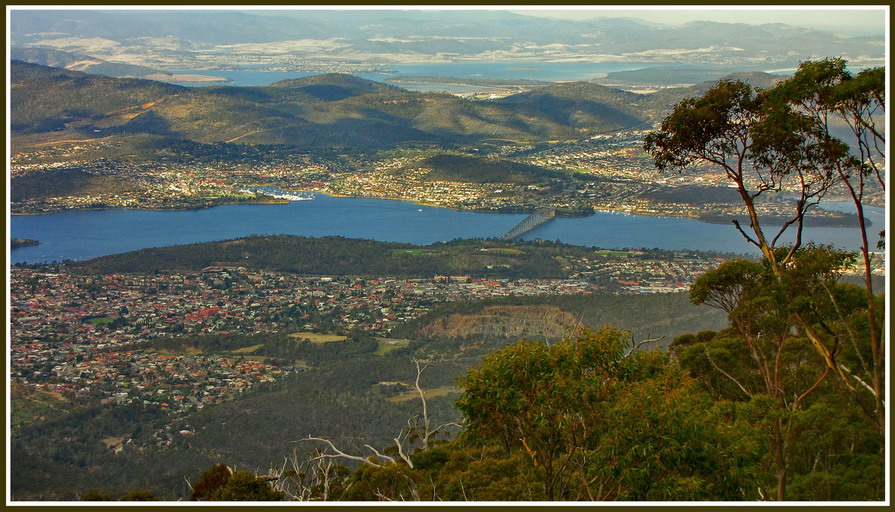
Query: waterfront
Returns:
{"type": "Point", "coordinates": [80, 235]}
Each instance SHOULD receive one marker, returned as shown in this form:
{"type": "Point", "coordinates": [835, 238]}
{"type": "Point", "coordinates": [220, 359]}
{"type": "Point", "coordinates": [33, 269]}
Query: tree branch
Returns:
{"type": "Point", "coordinates": [642, 343]}
{"type": "Point", "coordinates": [416, 384]}
{"type": "Point", "coordinates": [729, 376]}
{"type": "Point", "coordinates": [340, 453]}
{"type": "Point", "coordinates": [736, 223]}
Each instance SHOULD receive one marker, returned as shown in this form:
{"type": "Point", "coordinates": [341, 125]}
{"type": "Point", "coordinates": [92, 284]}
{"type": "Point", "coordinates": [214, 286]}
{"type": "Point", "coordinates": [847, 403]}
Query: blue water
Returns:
{"type": "Point", "coordinates": [547, 71]}
{"type": "Point", "coordinates": [82, 235]}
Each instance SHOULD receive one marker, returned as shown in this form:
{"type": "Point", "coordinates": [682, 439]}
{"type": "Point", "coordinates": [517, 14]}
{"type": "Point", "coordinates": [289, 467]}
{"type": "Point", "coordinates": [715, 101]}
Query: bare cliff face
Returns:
{"type": "Point", "coordinates": [533, 322]}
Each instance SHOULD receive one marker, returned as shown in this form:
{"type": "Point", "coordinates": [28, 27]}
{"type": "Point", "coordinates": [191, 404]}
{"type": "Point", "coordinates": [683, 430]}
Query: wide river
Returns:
{"type": "Point", "coordinates": [79, 235]}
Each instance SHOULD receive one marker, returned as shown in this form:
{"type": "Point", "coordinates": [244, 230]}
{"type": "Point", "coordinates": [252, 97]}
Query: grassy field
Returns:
{"type": "Point", "coordinates": [615, 254]}
{"type": "Point", "coordinates": [246, 350]}
{"type": "Point", "coordinates": [502, 250]}
{"type": "Point", "coordinates": [112, 442]}
{"type": "Point", "coordinates": [314, 337]}
{"type": "Point", "coordinates": [386, 345]}
{"type": "Point", "coordinates": [430, 393]}
{"type": "Point", "coordinates": [412, 252]}
{"type": "Point", "coordinates": [35, 406]}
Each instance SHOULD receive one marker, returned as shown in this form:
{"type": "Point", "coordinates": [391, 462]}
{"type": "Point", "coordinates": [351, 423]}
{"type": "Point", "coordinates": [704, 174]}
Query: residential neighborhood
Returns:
{"type": "Point", "coordinates": [74, 332]}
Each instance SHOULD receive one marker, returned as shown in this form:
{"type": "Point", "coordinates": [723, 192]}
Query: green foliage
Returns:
{"type": "Point", "coordinates": [220, 483]}
{"type": "Point", "coordinates": [792, 323]}
{"type": "Point", "coordinates": [139, 496]}
{"type": "Point", "coordinates": [344, 256]}
{"type": "Point", "coordinates": [481, 471]}
{"type": "Point", "coordinates": [666, 444]}
{"type": "Point", "coordinates": [96, 496]}
{"type": "Point", "coordinates": [209, 482]}
{"type": "Point", "coordinates": [431, 459]}
{"type": "Point", "coordinates": [725, 287]}
{"type": "Point", "coordinates": [709, 128]}
{"type": "Point", "coordinates": [789, 331]}
{"type": "Point", "coordinates": [597, 423]}
{"type": "Point", "coordinates": [244, 486]}
{"type": "Point", "coordinates": [370, 483]}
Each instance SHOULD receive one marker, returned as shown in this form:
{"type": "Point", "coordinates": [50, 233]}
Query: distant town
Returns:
{"type": "Point", "coordinates": [619, 178]}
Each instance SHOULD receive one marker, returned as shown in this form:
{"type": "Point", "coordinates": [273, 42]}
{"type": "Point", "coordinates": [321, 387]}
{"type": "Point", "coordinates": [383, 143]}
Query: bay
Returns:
{"type": "Point", "coordinates": [506, 70]}
{"type": "Point", "coordinates": [80, 235]}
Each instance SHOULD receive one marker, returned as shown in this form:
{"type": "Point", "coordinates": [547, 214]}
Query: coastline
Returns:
{"type": "Point", "coordinates": [151, 209]}
{"type": "Point", "coordinates": [186, 78]}
{"type": "Point", "coordinates": [840, 221]}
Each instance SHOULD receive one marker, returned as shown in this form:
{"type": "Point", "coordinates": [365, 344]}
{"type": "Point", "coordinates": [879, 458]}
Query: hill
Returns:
{"type": "Point", "coordinates": [63, 182]}
{"type": "Point", "coordinates": [468, 169]}
{"type": "Point", "coordinates": [344, 256]}
{"type": "Point", "coordinates": [79, 62]}
{"type": "Point", "coordinates": [660, 103]}
{"type": "Point", "coordinates": [580, 105]}
{"type": "Point", "coordinates": [486, 322]}
{"type": "Point", "coordinates": [319, 112]}
{"type": "Point", "coordinates": [333, 86]}
{"type": "Point", "coordinates": [45, 99]}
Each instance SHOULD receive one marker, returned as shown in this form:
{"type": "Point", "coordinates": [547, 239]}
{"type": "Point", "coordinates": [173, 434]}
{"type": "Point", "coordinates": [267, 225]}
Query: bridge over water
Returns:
{"type": "Point", "coordinates": [532, 221]}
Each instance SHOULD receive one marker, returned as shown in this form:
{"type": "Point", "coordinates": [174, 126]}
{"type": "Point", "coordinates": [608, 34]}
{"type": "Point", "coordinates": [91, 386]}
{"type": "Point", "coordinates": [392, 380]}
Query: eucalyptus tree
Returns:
{"type": "Point", "coordinates": [767, 353]}
{"type": "Point", "coordinates": [831, 96]}
{"type": "Point", "coordinates": [597, 421]}
{"type": "Point", "coordinates": [761, 149]}
{"type": "Point", "coordinates": [778, 140]}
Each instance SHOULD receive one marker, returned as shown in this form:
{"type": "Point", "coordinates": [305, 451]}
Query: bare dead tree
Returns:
{"type": "Point", "coordinates": [340, 454]}
{"type": "Point", "coordinates": [636, 345]}
{"type": "Point", "coordinates": [316, 470]}
{"type": "Point", "coordinates": [306, 479]}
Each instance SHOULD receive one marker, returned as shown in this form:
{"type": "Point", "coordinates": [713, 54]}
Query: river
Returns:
{"type": "Point", "coordinates": [79, 235]}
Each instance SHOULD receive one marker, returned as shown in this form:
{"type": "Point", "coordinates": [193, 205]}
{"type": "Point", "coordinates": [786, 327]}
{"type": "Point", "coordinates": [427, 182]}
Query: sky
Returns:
{"type": "Point", "coordinates": [846, 19]}
{"type": "Point", "coordinates": [843, 19]}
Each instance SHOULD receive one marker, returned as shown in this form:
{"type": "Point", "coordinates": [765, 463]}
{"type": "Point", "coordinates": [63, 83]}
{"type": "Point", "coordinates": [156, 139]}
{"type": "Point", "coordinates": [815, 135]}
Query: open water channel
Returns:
{"type": "Point", "coordinates": [80, 235]}
{"type": "Point", "coordinates": [509, 70]}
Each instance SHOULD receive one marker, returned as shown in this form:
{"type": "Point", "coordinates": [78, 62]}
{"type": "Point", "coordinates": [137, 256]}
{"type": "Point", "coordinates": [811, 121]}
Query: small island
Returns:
{"type": "Point", "coordinates": [15, 243]}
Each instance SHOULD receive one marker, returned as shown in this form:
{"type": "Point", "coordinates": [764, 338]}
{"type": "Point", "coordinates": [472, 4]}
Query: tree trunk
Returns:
{"type": "Point", "coordinates": [780, 460]}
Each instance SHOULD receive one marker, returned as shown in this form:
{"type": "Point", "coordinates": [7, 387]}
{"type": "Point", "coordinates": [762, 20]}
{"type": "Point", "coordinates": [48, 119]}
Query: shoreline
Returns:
{"type": "Point", "coordinates": [827, 222]}
{"type": "Point", "coordinates": [178, 78]}
{"type": "Point", "coordinates": [150, 209]}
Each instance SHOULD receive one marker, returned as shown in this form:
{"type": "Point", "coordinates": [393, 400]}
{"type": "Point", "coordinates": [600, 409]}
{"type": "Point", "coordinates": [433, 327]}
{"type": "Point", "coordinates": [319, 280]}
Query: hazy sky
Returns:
{"type": "Point", "coordinates": [850, 19]}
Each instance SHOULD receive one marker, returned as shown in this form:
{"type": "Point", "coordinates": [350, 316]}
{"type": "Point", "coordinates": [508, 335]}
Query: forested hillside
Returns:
{"type": "Point", "coordinates": [343, 256]}
{"type": "Point", "coordinates": [476, 170]}
{"type": "Point", "coordinates": [316, 112]}
{"type": "Point", "coordinates": [59, 182]}
{"type": "Point", "coordinates": [320, 112]}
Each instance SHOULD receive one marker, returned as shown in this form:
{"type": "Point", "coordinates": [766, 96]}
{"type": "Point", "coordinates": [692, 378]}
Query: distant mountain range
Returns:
{"type": "Point", "coordinates": [323, 111]}
{"type": "Point", "coordinates": [211, 39]}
